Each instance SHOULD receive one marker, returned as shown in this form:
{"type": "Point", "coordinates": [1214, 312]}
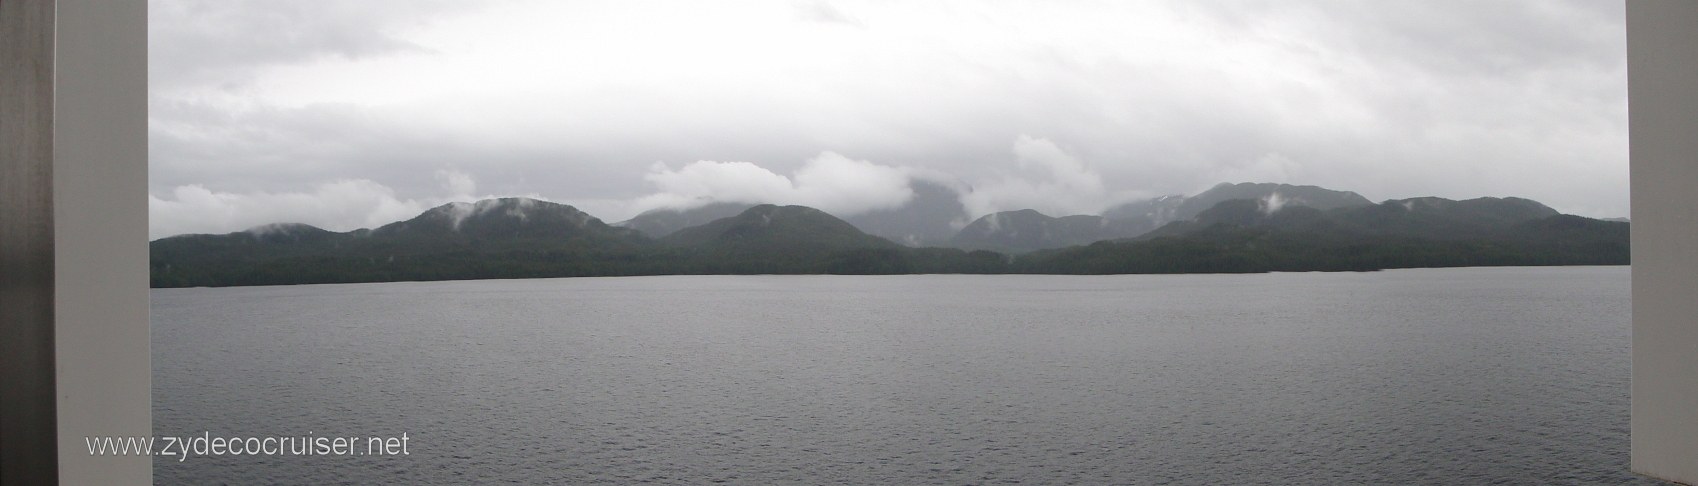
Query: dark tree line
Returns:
{"type": "Point", "coordinates": [1233, 237]}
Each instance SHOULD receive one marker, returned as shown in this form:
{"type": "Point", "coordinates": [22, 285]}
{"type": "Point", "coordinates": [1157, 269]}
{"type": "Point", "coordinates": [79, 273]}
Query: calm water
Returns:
{"type": "Point", "coordinates": [1452, 376]}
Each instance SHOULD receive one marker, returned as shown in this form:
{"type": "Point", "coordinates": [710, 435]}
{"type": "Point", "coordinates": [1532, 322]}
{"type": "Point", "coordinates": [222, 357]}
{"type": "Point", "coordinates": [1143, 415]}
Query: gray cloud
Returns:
{"type": "Point", "coordinates": [1061, 107]}
{"type": "Point", "coordinates": [220, 43]}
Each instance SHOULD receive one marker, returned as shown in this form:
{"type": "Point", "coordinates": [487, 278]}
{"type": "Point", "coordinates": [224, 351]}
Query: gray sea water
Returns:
{"type": "Point", "coordinates": [1443, 376]}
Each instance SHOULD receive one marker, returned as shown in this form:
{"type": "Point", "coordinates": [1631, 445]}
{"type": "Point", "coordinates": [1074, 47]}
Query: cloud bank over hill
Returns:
{"type": "Point", "coordinates": [1064, 107]}
{"type": "Point", "coordinates": [1045, 178]}
{"type": "Point", "coordinates": [340, 205]}
{"type": "Point", "coordinates": [829, 182]}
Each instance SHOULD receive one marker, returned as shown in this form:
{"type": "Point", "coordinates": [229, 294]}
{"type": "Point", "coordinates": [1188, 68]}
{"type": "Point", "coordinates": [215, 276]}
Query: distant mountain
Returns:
{"type": "Point", "coordinates": [1252, 235]}
{"type": "Point", "coordinates": [1282, 194]}
{"type": "Point", "coordinates": [767, 227]}
{"type": "Point", "coordinates": [507, 222]}
{"type": "Point", "coordinates": [796, 239]}
{"type": "Point", "coordinates": [1028, 230]}
{"type": "Point", "coordinates": [657, 223]}
{"type": "Point", "coordinates": [1440, 218]}
{"type": "Point", "coordinates": [928, 219]}
{"type": "Point", "coordinates": [525, 238]}
{"type": "Point", "coordinates": [186, 258]}
{"type": "Point", "coordinates": [1425, 217]}
{"type": "Point", "coordinates": [497, 237]}
{"type": "Point", "coordinates": [1140, 217]}
{"type": "Point", "coordinates": [286, 233]}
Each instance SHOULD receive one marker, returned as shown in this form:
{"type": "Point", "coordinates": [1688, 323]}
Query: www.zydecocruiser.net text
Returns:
{"type": "Point", "coordinates": [208, 445]}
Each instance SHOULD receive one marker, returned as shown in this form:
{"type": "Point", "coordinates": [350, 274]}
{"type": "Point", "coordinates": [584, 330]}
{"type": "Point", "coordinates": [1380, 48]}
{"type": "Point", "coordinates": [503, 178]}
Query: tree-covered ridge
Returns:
{"type": "Point", "coordinates": [657, 223]}
{"type": "Point", "coordinates": [525, 238]}
{"type": "Point", "coordinates": [1027, 230]}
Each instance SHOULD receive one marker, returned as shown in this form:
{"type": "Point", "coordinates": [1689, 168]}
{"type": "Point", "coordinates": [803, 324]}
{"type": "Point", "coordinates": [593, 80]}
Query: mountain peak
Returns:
{"type": "Point", "coordinates": [771, 227]}
{"type": "Point", "coordinates": [516, 216]}
{"type": "Point", "coordinates": [1276, 193]}
{"type": "Point", "coordinates": [521, 208]}
{"type": "Point", "coordinates": [286, 233]}
{"type": "Point", "coordinates": [283, 229]}
{"type": "Point", "coordinates": [1505, 209]}
{"type": "Point", "coordinates": [1027, 230]}
{"type": "Point", "coordinates": [657, 223]}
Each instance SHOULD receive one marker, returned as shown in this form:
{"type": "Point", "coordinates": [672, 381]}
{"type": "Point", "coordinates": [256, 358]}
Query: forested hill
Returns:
{"type": "Point", "coordinates": [526, 238]}
{"type": "Point", "coordinates": [1244, 236]}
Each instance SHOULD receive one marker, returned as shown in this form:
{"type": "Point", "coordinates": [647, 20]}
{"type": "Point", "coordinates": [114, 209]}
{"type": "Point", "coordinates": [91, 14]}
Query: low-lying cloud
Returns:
{"type": "Point", "coordinates": [1045, 177]}
{"type": "Point", "coordinates": [1049, 179]}
{"type": "Point", "coordinates": [339, 205]}
{"type": "Point", "coordinates": [1273, 203]}
{"type": "Point", "coordinates": [830, 182]}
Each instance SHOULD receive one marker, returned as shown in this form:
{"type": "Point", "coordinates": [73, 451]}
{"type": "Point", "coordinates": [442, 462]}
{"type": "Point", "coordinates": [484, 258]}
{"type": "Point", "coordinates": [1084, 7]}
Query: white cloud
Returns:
{"type": "Point", "coordinates": [1051, 180]}
{"type": "Point", "coordinates": [830, 182]}
{"type": "Point", "coordinates": [706, 181]}
{"type": "Point", "coordinates": [847, 187]}
{"type": "Point", "coordinates": [338, 206]}
{"type": "Point", "coordinates": [1273, 203]}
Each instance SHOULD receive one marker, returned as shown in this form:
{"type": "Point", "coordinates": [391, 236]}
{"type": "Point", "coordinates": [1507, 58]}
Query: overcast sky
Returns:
{"type": "Point", "coordinates": [353, 114]}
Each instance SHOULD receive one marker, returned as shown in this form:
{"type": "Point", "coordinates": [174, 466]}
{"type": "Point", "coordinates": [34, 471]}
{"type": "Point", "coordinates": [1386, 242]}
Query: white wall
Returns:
{"type": "Point", "coordinates": [104, 370]}
{"type": "Point", "coordinates": [1662, 47]}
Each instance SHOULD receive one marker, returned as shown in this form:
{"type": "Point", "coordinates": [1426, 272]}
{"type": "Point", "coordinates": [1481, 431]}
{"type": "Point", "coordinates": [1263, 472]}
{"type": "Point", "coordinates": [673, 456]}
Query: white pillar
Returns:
{"type": "Point", "coordinates": [104, 364]}
{"type": "Point", "coordinates": [1662, 58]}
